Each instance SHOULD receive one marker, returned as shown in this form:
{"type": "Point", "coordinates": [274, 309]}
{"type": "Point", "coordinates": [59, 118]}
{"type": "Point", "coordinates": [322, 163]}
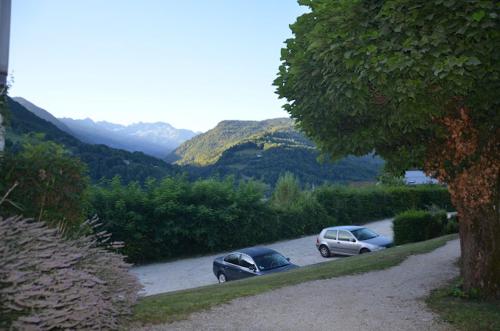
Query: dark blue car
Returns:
{"type": "Point", "coordinates": [248, 262]}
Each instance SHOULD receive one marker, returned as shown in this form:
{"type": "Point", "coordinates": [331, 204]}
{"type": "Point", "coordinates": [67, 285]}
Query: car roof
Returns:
{"type": "Point", "coordinates": [345, 227]}
{"type": "Point", "coordinates": [255, 251]}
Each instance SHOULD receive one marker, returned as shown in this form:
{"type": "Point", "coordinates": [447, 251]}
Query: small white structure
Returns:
{"type": "Point", "coordinates": [418, 177]}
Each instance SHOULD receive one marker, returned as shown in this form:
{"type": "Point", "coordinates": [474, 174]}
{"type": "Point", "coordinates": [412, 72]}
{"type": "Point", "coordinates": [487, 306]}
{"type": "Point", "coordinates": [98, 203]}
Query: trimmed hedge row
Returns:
{"type": "Point", "coordinates": [419, 225]}
{"type": "Point", "coordinates": [175, 217]}
{"type": "Point", "coordinates": [361, 205]}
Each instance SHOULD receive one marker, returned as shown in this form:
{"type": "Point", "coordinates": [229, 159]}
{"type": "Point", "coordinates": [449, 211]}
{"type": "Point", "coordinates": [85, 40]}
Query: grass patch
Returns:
{"type": "Point", "coordinates": [464, 313]}
{"type": "Point", "coordinates": [173, 306]}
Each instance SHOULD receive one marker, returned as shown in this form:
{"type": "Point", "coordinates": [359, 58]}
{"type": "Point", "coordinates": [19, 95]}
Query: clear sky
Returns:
{"type": "Point", "coordinates": [191, 63]}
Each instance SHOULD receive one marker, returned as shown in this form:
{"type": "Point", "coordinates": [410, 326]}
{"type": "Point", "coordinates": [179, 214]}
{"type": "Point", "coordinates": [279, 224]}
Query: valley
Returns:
{"type": "Point", "coordinates": [261, 150]}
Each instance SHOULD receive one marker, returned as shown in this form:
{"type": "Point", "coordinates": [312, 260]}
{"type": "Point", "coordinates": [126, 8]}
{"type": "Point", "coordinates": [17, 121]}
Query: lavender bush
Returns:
{"type": "Point", "coordinates": [48, 282]}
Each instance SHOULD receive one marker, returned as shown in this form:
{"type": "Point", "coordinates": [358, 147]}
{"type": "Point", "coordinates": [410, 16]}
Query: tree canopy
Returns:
{"type": "Point", "coordinates": [361, 76]}
{"type": "Point", "coordinates": [417, 82]}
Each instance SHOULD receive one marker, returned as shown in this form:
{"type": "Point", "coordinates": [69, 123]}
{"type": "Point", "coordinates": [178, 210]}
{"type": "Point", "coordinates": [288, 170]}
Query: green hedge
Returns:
{"type": "Point", "coordinates": [175, 217]}
{"type": "Point", "coordinates": [419, 225]}
{"type": "Point", "coordinates": [361, 205]}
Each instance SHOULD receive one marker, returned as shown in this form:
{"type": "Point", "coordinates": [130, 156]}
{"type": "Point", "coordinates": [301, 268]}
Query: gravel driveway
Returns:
{"type": "Point", "coordinates": [389, 299]}
{"type": "Point", "coordinates": [195, 272]}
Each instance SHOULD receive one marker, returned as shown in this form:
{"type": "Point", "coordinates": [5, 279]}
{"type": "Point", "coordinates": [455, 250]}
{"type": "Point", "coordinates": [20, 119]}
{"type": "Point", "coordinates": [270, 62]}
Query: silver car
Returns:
{"type": "Point", "coordinates": [350, 240]}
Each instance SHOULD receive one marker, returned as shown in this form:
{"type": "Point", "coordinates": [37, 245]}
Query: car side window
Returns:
{"type": "Point", "coordinates": [331, 234]}
{"type": "Point", "coordinates": [345, 236]}
{"type": "Point", "coordinates": [232, 258]}
{"type": "Point", "coordinates": [246, 261]}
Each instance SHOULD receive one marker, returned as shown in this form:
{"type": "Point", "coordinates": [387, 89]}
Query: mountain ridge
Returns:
{"type": "Point", "coordinates": [206, 148]}
{"type": "Point", "coordinates": [155, 139]}
{"type": "Point", "coordinates": [42, 113]}
{"type": "Point", "coordinates": [264, 150]}
{"type": "Point", "coordinates": [102, 161]}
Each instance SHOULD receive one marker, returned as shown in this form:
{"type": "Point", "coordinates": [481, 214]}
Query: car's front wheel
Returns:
{"type": "Point", "coordinates": [222, 278]}
{"type": "Point", "coordinates": [324, 251]}
{"type": "Point", "coordinates": [364, 250]}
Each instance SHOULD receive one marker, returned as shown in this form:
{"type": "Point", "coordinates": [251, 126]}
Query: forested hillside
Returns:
{"type": "Point", "coordinates": [206, 148]}
{"type": "Point", "coordinates": [264, 150]}
{"type": "Point", "coordinates": [245, 149]}
{"type": "Point", "coordinates": [102, 161]}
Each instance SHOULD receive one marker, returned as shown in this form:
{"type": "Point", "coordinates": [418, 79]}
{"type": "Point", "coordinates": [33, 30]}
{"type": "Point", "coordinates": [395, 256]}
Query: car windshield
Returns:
{"type": "Point", "coordinates": [364, 234]}
{"type": "Point", "coordinates": [270, 261]}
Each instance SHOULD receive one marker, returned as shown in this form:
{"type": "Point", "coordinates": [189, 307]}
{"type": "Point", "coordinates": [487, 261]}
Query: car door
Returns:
{"type": "Point", "coordinates": [347, 243]}
{"type": "Point", "coordinates": [247, 266]}
{"type": "Point", "coordinates": [330, 238]}
{"type": "Point", "coordinates": [231, 268]}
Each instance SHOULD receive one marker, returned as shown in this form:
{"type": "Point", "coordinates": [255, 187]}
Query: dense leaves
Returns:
{"type": "Point", "coordinates": [416, 82]}
{"type": "Point", "coordinates": [44, 182]}
{"type": "Point", "coordinates": [419, 225]}
{"type": "Point", "coordinates": [175, 217]}
{"type": "Point", "coordinates": [373, 75]}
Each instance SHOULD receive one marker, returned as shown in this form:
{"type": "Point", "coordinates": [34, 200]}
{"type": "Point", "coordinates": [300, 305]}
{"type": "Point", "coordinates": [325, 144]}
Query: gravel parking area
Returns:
{"type": "Point", "coordinates": [388, 299]}
{"type": "Point", "coordinates": [195, 272]}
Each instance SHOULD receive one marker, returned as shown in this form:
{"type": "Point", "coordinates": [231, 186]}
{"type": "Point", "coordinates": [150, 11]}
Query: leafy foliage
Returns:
{"type": "Point", "coordinates": [175, 217]}
{"type": "Point", "coordinates": [360, 205]}
{"type": "Point", "coordinates": [47, 282]}
{"type": "Point", "coordinates": [362, 76]}
{"type": "Point", "coordinates": [419, 225]}
{"type": "Point", "coordinates": [417, 82]}
{"type": "Point", "coordinates": [46, 183]}
{"type": "Point", "coordinates": [287, 192]}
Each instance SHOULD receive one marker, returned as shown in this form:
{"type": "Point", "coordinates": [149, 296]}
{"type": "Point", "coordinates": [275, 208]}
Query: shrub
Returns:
{"type": "Point", "coordinates": [49, 184]}
{"type": "Point", "coordinates": [451, 225]}
{"type": "Point", "coordinates": [175, 217]}
{"type": "Point", "coordinates": [359, 205]}
{"type": "Point", "coordinates": [47, 282]}
{"type": "Point", "coordinates": [418, 225]}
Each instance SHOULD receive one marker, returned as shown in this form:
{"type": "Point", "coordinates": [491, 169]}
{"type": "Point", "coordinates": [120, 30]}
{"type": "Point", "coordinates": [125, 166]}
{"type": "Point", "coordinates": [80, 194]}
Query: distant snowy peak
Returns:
{"type": "Point", "coordinates": [156, 132]}
{"type": "Point", "coordinates": [157, 139]}
{"type": "Point", "coordinates": [158, 129]}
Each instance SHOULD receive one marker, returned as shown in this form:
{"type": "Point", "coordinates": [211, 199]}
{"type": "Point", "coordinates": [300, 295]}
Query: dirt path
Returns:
{"type": "Point", "coordinates": [389, 299]}
{"type": "Point", "coordinates": [195, 272]}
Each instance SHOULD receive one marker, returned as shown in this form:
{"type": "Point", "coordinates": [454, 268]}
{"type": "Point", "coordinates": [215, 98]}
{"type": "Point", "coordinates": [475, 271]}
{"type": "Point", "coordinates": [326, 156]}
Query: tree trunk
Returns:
{"type": "Point", "coordinates": [480, 245]}
{"type": "Point", "coordinates": [468, 160]}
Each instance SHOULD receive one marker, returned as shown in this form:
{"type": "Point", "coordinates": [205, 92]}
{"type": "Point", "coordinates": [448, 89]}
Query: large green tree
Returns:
{"type": "Point", "coordinates": [416, 81]}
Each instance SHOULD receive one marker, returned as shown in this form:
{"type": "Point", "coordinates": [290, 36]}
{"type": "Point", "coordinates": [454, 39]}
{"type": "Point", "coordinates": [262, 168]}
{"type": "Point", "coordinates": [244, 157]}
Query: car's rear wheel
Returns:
{"type": "Point", "coordinates": [222, 278]}
{"type": "Point", "coordinates": [364, 250]}
{"type": "Point", "coordinates": [324, 251]}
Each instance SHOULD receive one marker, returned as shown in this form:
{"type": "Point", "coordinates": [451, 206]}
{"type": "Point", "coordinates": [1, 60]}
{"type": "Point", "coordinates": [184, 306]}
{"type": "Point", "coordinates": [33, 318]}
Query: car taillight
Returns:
{"type": "Point", "coordinates": [317, 240]}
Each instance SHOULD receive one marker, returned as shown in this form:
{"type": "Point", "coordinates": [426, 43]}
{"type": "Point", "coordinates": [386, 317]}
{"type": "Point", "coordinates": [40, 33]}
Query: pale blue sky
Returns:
{"type": "Point", "coordinates": [191, 63]}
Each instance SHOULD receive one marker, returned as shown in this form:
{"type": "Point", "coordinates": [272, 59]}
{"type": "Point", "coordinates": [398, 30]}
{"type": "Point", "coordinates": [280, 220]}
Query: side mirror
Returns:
{"type": "Point", "coordinates": [353, 240]}
{"type": "Point", "coordinates": [288, 259]}
{"type": "Point", "coordinates": [253, 268]}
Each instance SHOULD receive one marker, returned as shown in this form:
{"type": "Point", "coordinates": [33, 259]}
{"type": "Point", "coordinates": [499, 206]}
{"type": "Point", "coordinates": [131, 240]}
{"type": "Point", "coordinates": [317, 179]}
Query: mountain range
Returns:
{"type": "Point", "coordinates": [102, 161]}
{"type": "Point", "coordinates": [155, 139]}
{"type": "Point", "coordinates": [262, 150]}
